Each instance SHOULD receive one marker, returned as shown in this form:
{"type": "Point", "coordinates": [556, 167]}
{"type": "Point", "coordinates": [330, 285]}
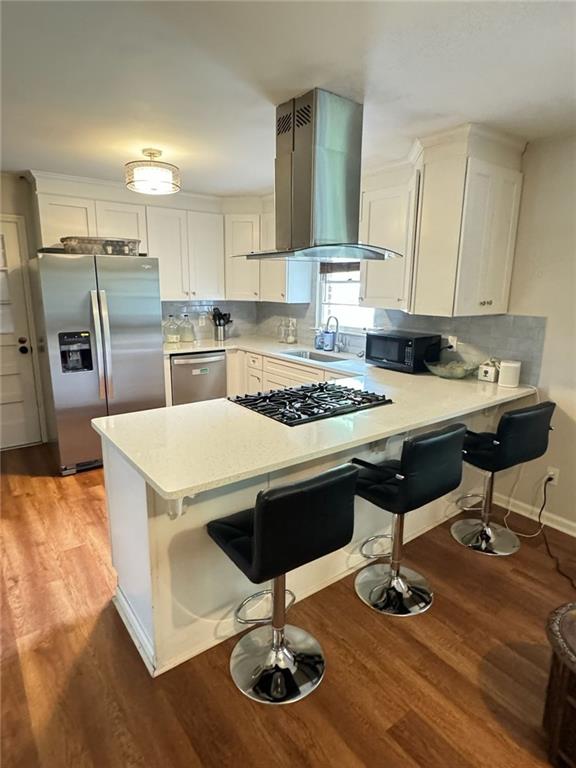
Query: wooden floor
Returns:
{"type": "Point", "coordinates": [462, 685]}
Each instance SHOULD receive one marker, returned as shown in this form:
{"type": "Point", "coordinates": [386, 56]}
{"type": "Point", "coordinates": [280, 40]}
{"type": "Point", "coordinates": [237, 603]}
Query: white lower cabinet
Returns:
{"type": "Point", "coordinates": [189, 246]}
{"type": "Point", "coordinates": [254, 381]}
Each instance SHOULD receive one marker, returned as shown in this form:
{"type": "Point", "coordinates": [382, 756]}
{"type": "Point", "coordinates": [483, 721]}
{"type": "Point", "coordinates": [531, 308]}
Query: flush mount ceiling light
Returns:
{"type": "Point", "coordinates": [152, 176]}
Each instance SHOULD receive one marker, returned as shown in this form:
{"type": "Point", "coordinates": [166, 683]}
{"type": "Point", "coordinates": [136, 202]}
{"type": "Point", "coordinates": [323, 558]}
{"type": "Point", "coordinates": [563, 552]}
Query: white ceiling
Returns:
{"type": "Point", "coordinates": [86, 85]}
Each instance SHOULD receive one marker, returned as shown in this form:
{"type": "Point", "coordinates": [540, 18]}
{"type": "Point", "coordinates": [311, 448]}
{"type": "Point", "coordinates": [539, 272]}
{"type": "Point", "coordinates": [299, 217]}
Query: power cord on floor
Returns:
{"type": "Point", "coordinates": [541, 528]}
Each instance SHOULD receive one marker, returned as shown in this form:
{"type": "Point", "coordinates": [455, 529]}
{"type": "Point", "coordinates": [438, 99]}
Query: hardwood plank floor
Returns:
{"type": "Point", "coordinates": [460, 687]}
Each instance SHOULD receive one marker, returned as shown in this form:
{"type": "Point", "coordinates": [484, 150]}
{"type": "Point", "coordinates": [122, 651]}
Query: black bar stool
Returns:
{"type": "Point", "coordinates": [522, 435]}
{"type": "Point", "coordinates": [287, 528]}
{"type": "Point", "coordinates": [430, 467]}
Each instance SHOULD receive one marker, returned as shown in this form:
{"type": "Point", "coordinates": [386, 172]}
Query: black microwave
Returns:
{"type": "Point", "coordinates": [402, 350]}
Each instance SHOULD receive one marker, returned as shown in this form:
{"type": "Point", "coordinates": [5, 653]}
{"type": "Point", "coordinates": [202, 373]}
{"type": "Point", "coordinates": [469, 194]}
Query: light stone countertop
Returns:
{"type": "Point", "coordinates": [186, 449]}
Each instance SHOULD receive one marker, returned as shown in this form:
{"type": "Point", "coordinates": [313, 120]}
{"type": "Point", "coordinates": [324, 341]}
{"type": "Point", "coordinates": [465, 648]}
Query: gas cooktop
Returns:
{"type": "Point", "coordinates": [310, 402]}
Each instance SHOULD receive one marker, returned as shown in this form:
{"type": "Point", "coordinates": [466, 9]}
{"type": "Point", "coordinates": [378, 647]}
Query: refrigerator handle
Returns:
{"type": "Point", "coordinates": [107, 343]}
{"type": "Point", "coordinates": [98, 344]}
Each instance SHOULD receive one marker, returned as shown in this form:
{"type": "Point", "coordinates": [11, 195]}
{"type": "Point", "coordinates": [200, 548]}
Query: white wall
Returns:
{"type": "Point", "coordinates": [544, 283]}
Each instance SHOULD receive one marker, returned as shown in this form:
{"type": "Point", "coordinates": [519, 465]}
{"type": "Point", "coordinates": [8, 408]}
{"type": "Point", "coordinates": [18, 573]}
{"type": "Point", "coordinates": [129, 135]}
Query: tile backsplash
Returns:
{"type": "Point", "coordinates": [516, 337]}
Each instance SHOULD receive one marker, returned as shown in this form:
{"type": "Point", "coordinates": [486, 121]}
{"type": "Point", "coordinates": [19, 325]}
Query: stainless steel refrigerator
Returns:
{"type": "Point", "coordinates": [100, 345]}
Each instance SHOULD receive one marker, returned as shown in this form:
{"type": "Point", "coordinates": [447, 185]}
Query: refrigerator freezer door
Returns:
{"type": "Point", "coordinates": [129, 295]}
{"type": "Point", "coordinates": [71, 342]}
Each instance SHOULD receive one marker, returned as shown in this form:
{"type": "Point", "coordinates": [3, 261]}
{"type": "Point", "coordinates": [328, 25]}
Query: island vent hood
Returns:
{"type": "Point", "coordinates": [317, 181]}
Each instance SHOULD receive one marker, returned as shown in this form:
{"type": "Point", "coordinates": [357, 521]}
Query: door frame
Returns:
{"type": "Point", "coordinates": [19, 221]}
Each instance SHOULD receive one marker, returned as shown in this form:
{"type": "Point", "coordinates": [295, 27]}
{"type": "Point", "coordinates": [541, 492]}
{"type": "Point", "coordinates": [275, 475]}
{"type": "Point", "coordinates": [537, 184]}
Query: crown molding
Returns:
{"type": "Point", "coordinates": [469, 131]}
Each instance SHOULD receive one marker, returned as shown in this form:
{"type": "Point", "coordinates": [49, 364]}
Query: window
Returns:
{"type": "Point", "coordinates": [339, 289]}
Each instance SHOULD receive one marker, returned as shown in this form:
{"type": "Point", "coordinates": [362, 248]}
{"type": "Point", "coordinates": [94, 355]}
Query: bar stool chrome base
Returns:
{"type": "Point", "coordinates": [486, 538]}
{"type": "Point", "coordinates": [277, 666]}
{"type": "Point", "coordinates": [406, 593]}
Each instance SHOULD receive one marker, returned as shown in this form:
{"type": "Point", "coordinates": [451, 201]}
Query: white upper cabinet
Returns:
{"type": "Point", "coordinates": [206, 255]}
{"type": "Point", "coordinates": [282, 280]}
{"type": "Point", "coordinates": [440, 214]}
{"type": "Point", "coordinates": [62, 216]}
{"type": "Point", "coordinates": [168, 242]}
{"type": "Point", "coordinates": [468, 219]}
{"type": "Point", "coordinates": [122, 220]}
{"type": "Point", "coordinates": [242, 235]}
{"type": "Point", "coordinates": [389, 220]}
{"type": "Point", "coordinates": [190, 250]}
{"type": "Point", "coordinates": [489, 222]}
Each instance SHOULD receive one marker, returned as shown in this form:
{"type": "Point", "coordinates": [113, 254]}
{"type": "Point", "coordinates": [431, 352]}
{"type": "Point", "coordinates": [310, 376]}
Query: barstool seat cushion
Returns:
{"type": "Point", "coordinates": [234, 534]}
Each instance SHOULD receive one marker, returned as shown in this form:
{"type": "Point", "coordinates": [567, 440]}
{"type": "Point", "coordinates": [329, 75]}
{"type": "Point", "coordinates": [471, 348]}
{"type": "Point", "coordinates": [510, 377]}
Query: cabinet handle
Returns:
{"type": "Point", "coordinates": [360, 298]}
{"type": "Point", "coordinates": [255, 293]}
{"type": "Point", "coordinates": [482, 303]}
{"type": "Point", "coordinates": [282, 295]}
{"type": "Point", "coordinates": [489, 303]}
{"type": "Point", "coordinates": [400, 299]}
{"type": "Point", "coordinates": [193, 293]}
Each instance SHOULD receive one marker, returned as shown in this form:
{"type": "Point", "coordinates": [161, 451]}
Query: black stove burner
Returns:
{"type": "Point", "coordinates": [310, 402]}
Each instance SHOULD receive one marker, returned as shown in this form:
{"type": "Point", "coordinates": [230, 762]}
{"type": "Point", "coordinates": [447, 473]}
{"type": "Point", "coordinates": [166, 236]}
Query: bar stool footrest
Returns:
{"type": "Point", "coordinates": [372, 556]}
{"type": "Point", "coordinates": [257, 595]}
{"type": "Point", "coordinates": [462, 502]}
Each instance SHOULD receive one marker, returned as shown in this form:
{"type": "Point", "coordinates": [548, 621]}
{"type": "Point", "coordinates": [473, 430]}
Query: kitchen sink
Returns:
{"type": "Point", "coordinates": [319, 357]}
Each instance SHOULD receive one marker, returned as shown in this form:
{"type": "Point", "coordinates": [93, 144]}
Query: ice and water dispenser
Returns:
{"type": "Point", "coordinates": [75, 351]}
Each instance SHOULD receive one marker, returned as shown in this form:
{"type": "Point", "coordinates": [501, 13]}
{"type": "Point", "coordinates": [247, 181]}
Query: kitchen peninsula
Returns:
{"type": "Point", "coordinates": [171, 470]}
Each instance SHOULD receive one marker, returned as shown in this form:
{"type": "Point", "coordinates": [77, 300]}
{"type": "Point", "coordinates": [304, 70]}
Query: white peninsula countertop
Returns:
{"type": "Point", "coordinates": [184, 450]}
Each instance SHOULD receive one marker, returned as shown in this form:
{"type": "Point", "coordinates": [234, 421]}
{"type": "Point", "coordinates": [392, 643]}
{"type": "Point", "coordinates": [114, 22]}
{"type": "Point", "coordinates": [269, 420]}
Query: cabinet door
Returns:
{"type": "Point", "coordinates": [122, 220]}
{"type": "Point", "coordinates": [63, 216]}
{"type": "Point", "coordinates": [206, 255]}
{"type": "Point", "coordinates": [254, 381]}
{"type": "Point", "coordinates": [389, 220]}
{"type": "Point", "coordinates": [242, 235]}
{"type": "Point", "coordinates": [489, 222]}
{"type": "Point", "coordinates": [436, 253]}
{"type": "Point", "coordinates": [277, 382]}
{"type": "Point", "coordinates": [272, 273]}
{"type": "Point", "coordinates": [167, 241]}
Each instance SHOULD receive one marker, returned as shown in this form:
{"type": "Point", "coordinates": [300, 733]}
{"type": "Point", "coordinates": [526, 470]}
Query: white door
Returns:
{"type": "Point", "coordinates": [489, 222]}
{"type": "Point", "coordinates": [168, 242]}
{"type": "Point", "coordinates": [242, 235]}
{"type": "Point", "coordinates": [122, 220]}
{"type": "Point", "coordinates": [389, 220]}
{"type": "Point", "coordinates": [206, 255]}
{"type": "Point", "coordinates": [63, 216]}
{"type": "Point", "coordinates": [19, 416]}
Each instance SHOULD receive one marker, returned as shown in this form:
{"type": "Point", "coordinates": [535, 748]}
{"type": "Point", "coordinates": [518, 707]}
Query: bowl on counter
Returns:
{"type": "Point", "coordinates": [453, 369]}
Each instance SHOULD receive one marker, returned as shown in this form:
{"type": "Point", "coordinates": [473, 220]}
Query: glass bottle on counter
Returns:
{"type": "Point", "coordinates": [171, 331]}
{"type": "Point", "coordinates": [186, 329]}
{"type": "Point", "coordinates": [292, 331]}
{"type": "Point", "coordinates": [282, 331]}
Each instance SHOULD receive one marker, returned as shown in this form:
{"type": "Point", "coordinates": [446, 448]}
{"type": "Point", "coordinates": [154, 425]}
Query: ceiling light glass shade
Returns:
{"type": "Point", "coordinates": [152, 177]}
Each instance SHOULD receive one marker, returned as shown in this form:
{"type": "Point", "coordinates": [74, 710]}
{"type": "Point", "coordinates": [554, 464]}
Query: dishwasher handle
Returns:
{"type": "Point", "coordinates": [193, 360]}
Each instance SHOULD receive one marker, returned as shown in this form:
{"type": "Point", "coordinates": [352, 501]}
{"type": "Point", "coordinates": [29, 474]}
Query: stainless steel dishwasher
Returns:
{"type": "Point", "coordinates": [199, 376]}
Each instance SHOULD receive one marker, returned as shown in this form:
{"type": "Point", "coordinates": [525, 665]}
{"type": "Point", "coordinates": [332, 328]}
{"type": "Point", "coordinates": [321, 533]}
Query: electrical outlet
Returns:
{"type": "Point", "coordinates": [554, 473]}
{"type": "Point", "coordinates": [453, 341]}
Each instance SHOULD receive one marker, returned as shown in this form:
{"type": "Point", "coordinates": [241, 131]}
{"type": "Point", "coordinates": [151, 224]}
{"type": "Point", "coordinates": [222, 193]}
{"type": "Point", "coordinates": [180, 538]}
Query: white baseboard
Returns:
{"type": "Point", "coordinates": [135, 629]}
{"type": "Point", "coordinates": [548, 518]}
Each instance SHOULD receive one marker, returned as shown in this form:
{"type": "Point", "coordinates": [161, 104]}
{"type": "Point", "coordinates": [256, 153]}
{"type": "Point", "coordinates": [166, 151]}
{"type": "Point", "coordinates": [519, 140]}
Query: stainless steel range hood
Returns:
{"type": "Point", "coordinates": [317, 181]}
